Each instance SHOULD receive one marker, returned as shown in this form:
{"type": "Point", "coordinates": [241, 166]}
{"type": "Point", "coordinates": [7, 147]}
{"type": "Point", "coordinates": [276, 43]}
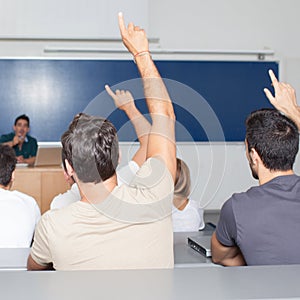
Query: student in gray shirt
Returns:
{"type": "Point", "coordinates": [262, 226]}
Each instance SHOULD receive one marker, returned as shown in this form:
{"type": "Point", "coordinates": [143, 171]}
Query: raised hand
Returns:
{"type": "Point", "coordinates": [284, 99]}
{"type": "Point", "coordinates": [123, 99]}
{"type": "Point", "coordinates": [285, 96]}
{"type": "Point", "coordinates": [134, 38]}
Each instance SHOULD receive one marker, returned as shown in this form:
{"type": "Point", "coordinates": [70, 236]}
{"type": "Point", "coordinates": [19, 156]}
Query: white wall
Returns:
{"type": "Point", "coordinates": [232, 24]}
{"type": "Point", "coordinates": [218, 170]}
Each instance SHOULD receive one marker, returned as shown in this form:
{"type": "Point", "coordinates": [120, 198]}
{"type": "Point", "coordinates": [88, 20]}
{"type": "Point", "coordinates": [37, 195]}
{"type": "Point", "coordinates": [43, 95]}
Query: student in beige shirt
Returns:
{"type": "Point", "coordinates": [127, 227]}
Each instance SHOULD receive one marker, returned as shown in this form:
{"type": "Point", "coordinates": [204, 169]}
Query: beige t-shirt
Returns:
{"type": "Point", "coordinates": [131, 229]}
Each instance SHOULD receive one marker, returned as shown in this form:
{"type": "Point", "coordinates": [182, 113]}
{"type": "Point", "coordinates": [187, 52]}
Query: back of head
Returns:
{"type": "Point", "coordinates": [274, 137]}
{"type": "Point", "coordinates": [91, 147]}
{"type": "Point", "coordinates": [7, 164]}
{"type": "Point", "coordinates": [182, 187]}
{"type": "Point", "coordinates": [22, 117]}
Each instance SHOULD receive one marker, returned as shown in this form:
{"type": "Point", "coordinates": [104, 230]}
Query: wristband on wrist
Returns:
{"type": "Point", "coordinates": [142, 53]}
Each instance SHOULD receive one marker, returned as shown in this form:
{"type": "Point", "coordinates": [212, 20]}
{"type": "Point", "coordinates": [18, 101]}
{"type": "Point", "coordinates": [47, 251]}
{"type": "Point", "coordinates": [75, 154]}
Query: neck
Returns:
{"type": "Point", "coordinates": [95, 193]}
{"type": "Point", "coordinates": [180, 203]}
{"type": "Point", "coordinates": [268, 175]}
{"type": "Point", "coordinates": [5, 187]}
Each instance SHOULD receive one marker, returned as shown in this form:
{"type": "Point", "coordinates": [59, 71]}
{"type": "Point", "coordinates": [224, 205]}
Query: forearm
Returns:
{"type": "Point", "coordinates": [233, 260]}
{"type": "Point", "coordinates": [32, 265]}
{"type": "Point", "coordinates": [156, 94]}
{"type": "Point", "coordinates": [10, 143]}
{"type": "Point", "coordinates": [294, 114]}
{"type": "Point", "coordinates": [224, 255]}
{"type": "Point", "coordinates": [140, 123]}
{"type": "Point", "coordinates": [142, 128]}
{"type": "Point", "coordinates": [29, 160]}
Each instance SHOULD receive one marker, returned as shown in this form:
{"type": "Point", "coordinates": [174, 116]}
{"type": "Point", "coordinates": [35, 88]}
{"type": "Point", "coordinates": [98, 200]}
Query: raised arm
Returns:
{"type": "Point", "coordinates": [161, 140]}
{"type": "Point", "coordinates": [124, 101]}
{"type": "Point", "coordinates": [284, 99]}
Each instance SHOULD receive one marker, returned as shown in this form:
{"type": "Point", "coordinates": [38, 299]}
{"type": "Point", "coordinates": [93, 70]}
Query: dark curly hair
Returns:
{"type": "Point", "coordinates": [91, 147]}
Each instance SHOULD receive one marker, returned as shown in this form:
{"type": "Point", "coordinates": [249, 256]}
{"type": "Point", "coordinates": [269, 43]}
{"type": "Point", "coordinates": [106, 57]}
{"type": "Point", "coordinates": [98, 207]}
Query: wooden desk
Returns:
{"type": "Point", "coordinates": [42, 183]}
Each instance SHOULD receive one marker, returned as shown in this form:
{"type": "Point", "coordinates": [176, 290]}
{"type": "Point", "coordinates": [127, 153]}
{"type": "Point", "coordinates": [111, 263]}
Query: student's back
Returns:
{"type": "Point", "coordinates": [19, 214]}
{"type": "Point", "coordinates": [266, 222]}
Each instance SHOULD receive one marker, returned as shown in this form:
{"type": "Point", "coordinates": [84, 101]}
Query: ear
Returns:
{"type": "Point", "coordinates": [13, 176]}
{"type": "Point", "coordinates": [254, 156]}
{"type": "Point", "coordinates": [69, 170]}
{"type": "Point", "coordinates": [120, 156]}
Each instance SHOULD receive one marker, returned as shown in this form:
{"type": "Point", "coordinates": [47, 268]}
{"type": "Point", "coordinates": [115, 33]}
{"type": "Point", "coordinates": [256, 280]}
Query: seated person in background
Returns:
{"type": "Point", "coordinates": [127, 227]}
{"type": "Point", "coordinates": [19, 213]}
{"type": "Point", "coordinates": [24, 145]}
{"type": "Point", "coordinates": [186, 214]}
{"type": "Point", "coordinates": [70, 196]}
{"type": "Point", "coordinates": [262, 226]}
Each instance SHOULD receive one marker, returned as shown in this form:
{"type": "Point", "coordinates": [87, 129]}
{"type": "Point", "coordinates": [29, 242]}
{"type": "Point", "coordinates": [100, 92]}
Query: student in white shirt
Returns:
{"type": "Point", "coordinates": [19, 213]}
{"type": "Point", "coordinates": [186, 214]}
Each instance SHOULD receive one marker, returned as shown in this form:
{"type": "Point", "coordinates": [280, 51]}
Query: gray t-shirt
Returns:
{"type": "Point", "coordinates": [264, 222]}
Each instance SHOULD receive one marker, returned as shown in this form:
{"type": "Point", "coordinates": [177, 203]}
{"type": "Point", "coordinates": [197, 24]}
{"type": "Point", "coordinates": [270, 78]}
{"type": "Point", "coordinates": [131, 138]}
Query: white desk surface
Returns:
{"type": "Point", "coordinates": [269, 282]}
{"type": "Point", "coordinates": [13, 258]}
{"type": "Point", "coordinates": [184, 256]}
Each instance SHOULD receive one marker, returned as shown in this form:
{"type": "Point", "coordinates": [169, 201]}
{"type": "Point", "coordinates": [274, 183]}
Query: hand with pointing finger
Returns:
{"type": "Point", "coordinates": [123, 99]}
{"type": "Point", "coordinates": [134, 38]}
{"type": "Point", "coordinates": [284, 99]}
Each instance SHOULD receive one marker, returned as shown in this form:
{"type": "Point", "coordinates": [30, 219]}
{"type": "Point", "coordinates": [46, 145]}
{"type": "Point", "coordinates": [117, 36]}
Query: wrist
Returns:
{"type": "Point", "coordinates": [145, 53]}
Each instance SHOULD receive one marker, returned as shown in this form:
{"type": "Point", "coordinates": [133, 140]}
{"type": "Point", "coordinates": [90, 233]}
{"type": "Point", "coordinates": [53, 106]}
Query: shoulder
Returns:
{"type": "Point", "coordinates": [51, 217]}
{"type": "Point", "coordinates": [24, 197]}
{"type": "Point", "coordinates": [6, 137]}
{"type": "Point", "coordinates": [31, 139]}
{"type": "Point", "coordinates": [126, 173]}
{"type": "Point", "coordinates": [69, 197]}
{"type": "Point", "coordinates": [152, 172]}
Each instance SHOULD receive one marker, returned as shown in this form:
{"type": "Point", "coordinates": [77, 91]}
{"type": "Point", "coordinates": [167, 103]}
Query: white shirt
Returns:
{"type": "Point", "coordinates": [124, 175]}
{"type": "Point", "coordinates": [188, 219]}
{"type": "Point", "coordinates": [70, 196]}
{"type": "Point", "coordinates": [19, 213]}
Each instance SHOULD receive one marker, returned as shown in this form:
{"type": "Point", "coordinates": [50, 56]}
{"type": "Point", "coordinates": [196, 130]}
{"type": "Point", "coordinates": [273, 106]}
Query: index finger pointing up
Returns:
{"type": "Point", "coordinates": [273, 78]}
{"type": "Point", "coordinates": [121, 23]}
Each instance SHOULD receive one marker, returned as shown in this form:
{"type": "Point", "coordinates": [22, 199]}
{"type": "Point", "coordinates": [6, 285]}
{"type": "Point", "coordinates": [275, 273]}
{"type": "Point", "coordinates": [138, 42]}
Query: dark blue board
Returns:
{"type": "Point", "coordinates": [211, 98]}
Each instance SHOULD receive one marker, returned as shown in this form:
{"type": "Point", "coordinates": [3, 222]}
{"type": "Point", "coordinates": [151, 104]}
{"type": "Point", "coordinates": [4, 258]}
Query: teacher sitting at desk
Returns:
{"type": "Point", "coordinates": [24, 145]}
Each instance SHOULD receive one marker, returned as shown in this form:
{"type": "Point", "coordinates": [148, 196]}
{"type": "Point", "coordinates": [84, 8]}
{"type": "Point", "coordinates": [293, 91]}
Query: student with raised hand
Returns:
{"type": "Point", "coordinates": [262, 226]}
{"type": "Point", "coordinates": [186, 214]}
{"type": "Point", "coordinates": [125, 102]}
{"type": "Point", "coordinates": [111, 227]}
{"type": "Point", "coordinates": [284, 99]}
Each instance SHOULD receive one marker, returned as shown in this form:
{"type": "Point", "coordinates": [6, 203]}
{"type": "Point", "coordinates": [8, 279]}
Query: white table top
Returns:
{"type": "Point", "coordinates": [184, 256]}
{"type": "Point", "coordinates": [13, 258]}
{"type": "Point", "coordinates": [267, 282]}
